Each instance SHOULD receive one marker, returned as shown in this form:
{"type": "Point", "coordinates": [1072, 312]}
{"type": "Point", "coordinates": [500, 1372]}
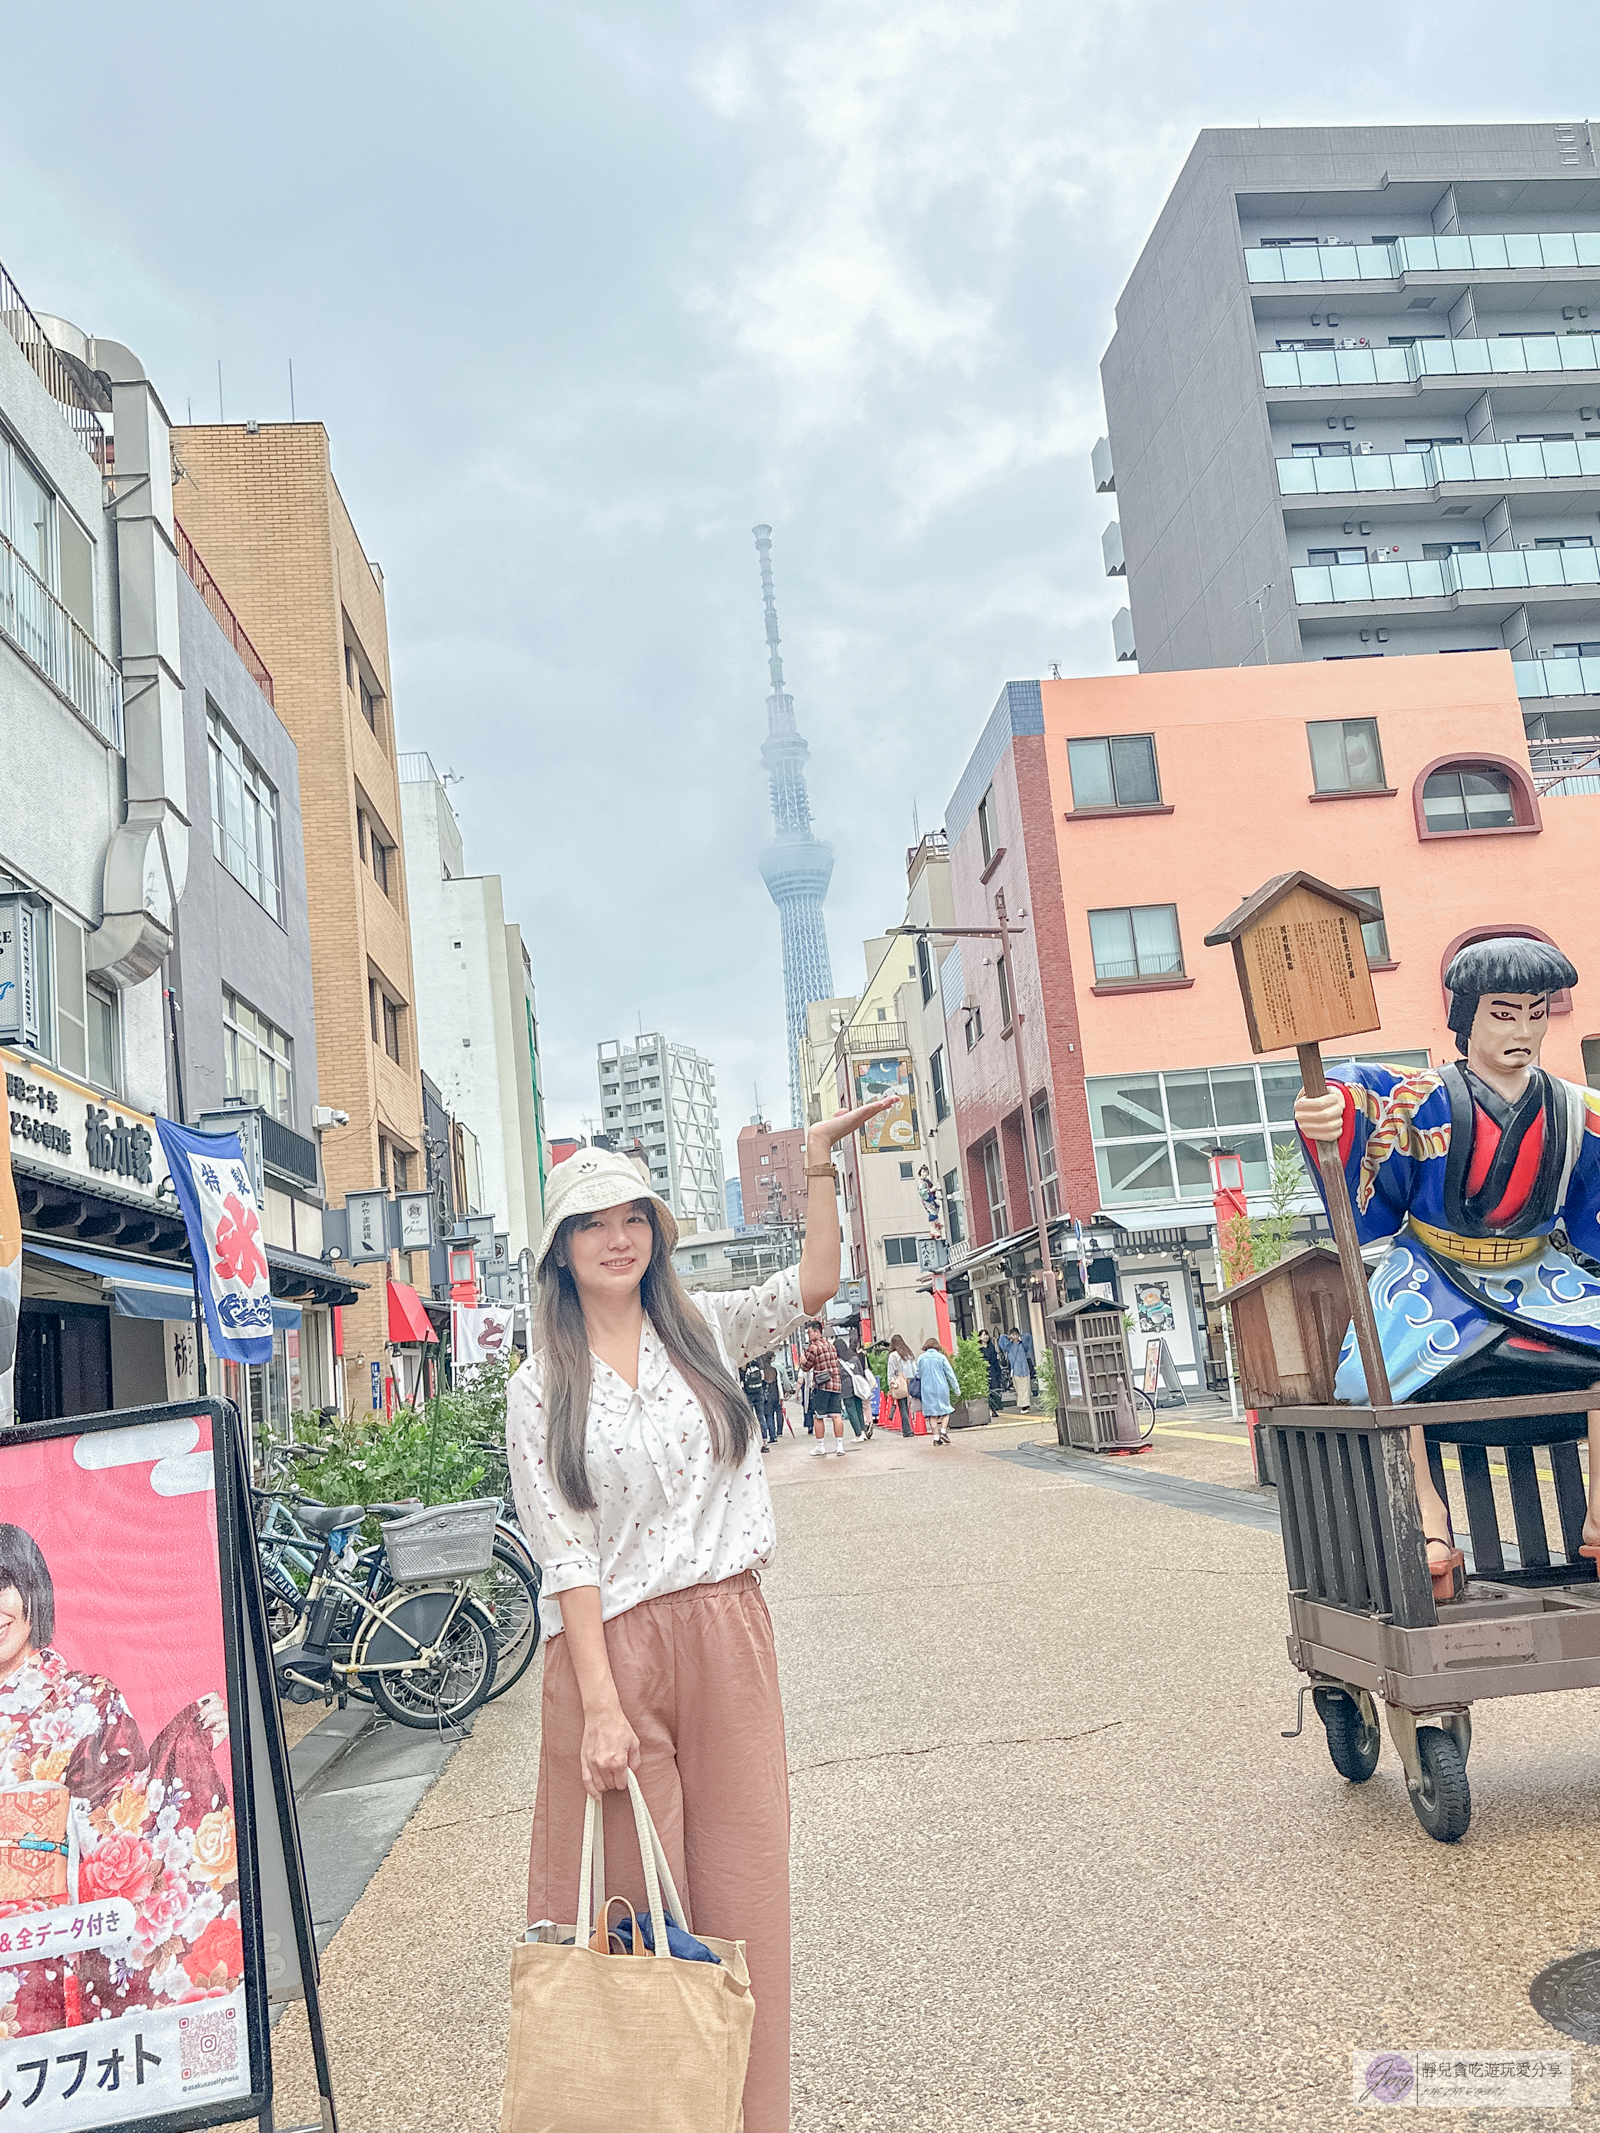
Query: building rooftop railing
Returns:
{"type": "Point", "coordinates": [44, 360]}
{"type": "Point", "coordinates": [63, 651]}
{"type": "Point", "coordinates": [216, 600]}
{"type": "Point", "coordinates": [416, 767]}
{"type": "Point", "coordinates": [1329, 260]}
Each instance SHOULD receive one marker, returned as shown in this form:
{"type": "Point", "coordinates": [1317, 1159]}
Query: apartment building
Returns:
{"type": "Point", "coordinates": [477, 1029]}
{"type": "Point", "coordinates": [1353, 408]}
{"type": "Point", "coordinates": [665, 1095]}
{"type": "Point", "coordinates": [260, 503]}
{"type": "Point", "coordinates": [772, 1179]}
{"type": "Point", "coordinates": [1115, 813]}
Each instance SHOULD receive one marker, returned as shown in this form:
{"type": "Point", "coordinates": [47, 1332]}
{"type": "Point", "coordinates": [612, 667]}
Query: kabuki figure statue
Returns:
{"type": "Point", "coordinates": [1484, 1180]}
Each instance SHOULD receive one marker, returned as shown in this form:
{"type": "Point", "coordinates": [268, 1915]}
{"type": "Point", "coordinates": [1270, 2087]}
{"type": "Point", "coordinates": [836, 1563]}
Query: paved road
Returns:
{"type": "Point", "coordinates": [1054, 1866]}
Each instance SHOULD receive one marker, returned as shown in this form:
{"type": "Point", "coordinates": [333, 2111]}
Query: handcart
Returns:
{"type": "Point", "coordinates": [1375, 1645]}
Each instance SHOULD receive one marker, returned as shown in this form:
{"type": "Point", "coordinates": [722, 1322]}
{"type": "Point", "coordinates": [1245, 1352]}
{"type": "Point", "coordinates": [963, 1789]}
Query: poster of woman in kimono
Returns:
{"type": "Point", "coordinates": [122, 1941]}
{"type": "Point", "coordinates": [1483, 1178]}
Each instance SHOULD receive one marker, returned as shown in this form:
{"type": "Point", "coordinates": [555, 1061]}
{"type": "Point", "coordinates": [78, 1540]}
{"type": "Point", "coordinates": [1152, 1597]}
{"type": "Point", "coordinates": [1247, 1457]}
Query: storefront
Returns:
{"type": "Point", "coordinates": [107, 1312]}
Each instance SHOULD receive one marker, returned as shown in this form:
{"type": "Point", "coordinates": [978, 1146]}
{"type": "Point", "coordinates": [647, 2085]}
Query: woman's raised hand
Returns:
{"type": "Point", "coordinates": [828, 1132]}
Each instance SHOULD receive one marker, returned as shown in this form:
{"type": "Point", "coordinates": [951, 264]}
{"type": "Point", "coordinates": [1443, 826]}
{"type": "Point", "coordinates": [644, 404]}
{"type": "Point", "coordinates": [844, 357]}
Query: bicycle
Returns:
{"type": "Point", "coordinates": [426, 1653]}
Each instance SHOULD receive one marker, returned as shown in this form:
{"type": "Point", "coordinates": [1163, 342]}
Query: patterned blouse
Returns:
{"type": "Point", "coordinates": [667, 1516]}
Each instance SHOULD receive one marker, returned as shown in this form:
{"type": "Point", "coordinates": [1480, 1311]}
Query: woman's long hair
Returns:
{"type": "Point", "coordinates": [563, 1340]}
{"type": "Point", "coordinates": [899, 1347]}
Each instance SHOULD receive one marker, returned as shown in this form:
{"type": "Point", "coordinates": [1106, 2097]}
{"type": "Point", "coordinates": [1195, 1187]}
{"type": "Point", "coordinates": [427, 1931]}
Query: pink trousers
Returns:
{"type": "Point", "coordinates": [697, 1675]}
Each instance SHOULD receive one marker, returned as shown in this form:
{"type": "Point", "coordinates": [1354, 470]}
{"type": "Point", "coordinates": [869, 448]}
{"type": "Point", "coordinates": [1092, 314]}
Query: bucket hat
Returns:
{"type": "Point", "coordinates": [590, 1180]}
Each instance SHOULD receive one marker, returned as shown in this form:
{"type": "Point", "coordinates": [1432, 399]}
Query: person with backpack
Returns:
{"type": "Point", "coordinates": [938, 1388]}
{"type": "Point", "coordinates": [898, 1386]}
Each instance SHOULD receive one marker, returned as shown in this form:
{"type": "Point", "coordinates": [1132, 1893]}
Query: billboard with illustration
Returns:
{"type": "Point", "coordinates": [891, 1132]}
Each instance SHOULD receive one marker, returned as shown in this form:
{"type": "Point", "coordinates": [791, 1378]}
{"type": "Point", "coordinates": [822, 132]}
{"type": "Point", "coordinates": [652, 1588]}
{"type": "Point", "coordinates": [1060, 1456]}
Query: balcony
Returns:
{"type": "Point", "coordinates": [1513, 355]}
{"type": "Point", "coordinates": [871, 1039]}
{"type": "Point", "coordinates": [51, 371]}
{"type": "Point", "coordinates": [1366, 473]}
{"type": "Point", "coordinates": [1502, 570]}
{"type": "Point", "coordinates": [1421, 255]}
{"type": "Point", "coordinates": [64, 652]}
{"type": "Point", "coordinates": [1557, 677]}
{"type": "Point", "coordinates": [1111, 550]}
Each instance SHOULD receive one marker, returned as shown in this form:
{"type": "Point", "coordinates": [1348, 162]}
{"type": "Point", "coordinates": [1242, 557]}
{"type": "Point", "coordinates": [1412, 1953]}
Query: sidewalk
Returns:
{"type": "Point", "coordinates": [1053, 1865]}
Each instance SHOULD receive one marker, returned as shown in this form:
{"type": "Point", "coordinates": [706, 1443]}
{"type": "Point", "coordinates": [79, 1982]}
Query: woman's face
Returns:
{"type": "Point", "coordinates": [609, 1251]}
{"type": "Point", "coordinates": [14, 1631]}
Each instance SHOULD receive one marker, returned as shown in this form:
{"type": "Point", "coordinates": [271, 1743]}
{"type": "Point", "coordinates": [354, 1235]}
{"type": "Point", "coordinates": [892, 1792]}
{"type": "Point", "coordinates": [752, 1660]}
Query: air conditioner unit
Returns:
{"type": "Point", "coordinates": [1365, 445]}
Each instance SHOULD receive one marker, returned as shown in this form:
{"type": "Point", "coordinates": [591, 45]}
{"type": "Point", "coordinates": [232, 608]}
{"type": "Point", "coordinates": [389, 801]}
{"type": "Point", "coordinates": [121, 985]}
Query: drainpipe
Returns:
{"type": "Point", "coordinates": [147, 860]}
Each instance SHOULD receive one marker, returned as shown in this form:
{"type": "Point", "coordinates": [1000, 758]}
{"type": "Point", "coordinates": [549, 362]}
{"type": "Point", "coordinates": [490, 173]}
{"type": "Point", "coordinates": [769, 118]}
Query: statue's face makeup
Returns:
{"type": "Point", "coordinates": [1508, 1031]}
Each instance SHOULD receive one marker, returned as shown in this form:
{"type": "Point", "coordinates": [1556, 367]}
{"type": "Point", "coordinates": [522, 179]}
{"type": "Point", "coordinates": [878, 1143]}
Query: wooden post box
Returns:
{"type": "Point", "coordinates": [1288, 1326]}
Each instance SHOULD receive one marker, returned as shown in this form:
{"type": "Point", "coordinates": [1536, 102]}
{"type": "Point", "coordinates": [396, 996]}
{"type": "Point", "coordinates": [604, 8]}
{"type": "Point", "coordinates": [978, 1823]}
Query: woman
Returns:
{"type": "Point", "coordinates": [995, 1363]}
{"type": "Point", "coordinates": [771, 1407]}
{"type": "Point", "coordinates": [900, 1363]}
{"type": "Point", "coordinates": [87, 1813]}
{"type": "Point", "coordinates": [641, 1494]}
{"type": "Point", "coordinates": [938, 1388]}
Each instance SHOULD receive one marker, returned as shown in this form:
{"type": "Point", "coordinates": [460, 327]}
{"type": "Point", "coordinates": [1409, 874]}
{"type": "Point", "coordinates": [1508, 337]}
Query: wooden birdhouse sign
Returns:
{"type": "Point", "coordinates": [1301, 962]}
{"type": "Point", "coordinates": [1288, 1324]}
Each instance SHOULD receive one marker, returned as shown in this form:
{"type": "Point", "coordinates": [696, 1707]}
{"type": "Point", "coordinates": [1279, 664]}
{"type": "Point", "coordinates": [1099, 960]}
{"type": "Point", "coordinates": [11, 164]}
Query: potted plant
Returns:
{"type": "Point", "coordinates": [972, 1377]}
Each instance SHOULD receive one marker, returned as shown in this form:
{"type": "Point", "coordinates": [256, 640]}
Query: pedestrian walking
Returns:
{"type": "Point", "coordinates": [899, 1384]}
{"type": "Point", "coordinates": [820, 1359]}
{"type": "Point", "coordinates": [1017, 1350]}
{"type": "Point", "coordinates": [771, 1408]}
{"type": "Point", "coordinates": [995, 1363]}
{"type": "Point", "coordinates": [849, 1389]}
{"type": "Point", "coordinates": [938, 1389]}
{"type": "Point", "coordinates": [659, 1654]}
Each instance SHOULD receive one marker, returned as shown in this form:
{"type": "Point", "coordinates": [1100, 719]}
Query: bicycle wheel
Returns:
{"type": "Point", "coordinates": [450, 1686]}
{"type": "Point", "coordinates": [508, 1592]}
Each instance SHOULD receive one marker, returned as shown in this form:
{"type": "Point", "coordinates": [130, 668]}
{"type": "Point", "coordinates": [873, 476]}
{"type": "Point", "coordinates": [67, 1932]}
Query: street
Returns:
{"type": "Point", "coordinates": [1053, 1865]}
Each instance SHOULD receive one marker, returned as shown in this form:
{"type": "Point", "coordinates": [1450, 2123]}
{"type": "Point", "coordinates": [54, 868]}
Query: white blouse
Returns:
{"type": "Point", "coordinates": [666, 1515]}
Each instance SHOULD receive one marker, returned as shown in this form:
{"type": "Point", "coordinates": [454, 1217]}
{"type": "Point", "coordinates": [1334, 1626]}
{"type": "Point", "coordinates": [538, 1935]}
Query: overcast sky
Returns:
{"type": "Point", "coordinates": [583, 293]}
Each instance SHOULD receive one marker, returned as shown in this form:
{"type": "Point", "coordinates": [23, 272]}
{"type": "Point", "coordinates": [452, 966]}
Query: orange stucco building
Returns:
{"type": "Point", "coordinates": [1127, 815]}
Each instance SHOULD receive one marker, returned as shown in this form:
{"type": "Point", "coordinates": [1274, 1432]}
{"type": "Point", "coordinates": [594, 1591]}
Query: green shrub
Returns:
{"type": "Point", "coordinates": [1045, 1385]}
{"type": "Point", "coordinates": [972, 1372]}
{"type": "Point", "coordinates": [434, 1453]}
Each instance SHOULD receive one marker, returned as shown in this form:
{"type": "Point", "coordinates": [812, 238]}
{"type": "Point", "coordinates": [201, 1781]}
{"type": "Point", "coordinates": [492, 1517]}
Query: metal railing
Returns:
{"type": "Point", "coordinates": [1511, 355]}
{"type": "Point", "coordinates": [209, 590]}
{"type": "Point", "coordinates": [1554, 762]}
{"type": "Point", "coordinates": [1421, 255]}
{"type": "Point", "coordinates": [44, 360]}
{"type": "Point", "coordinates": [872, 1038]}
{"type": "Point", "coordinates": [63, 651]}
{"type": "Point", "coordinates": [416, 767]}
{"type": "Point", "coordinates": [1557, 677]}
{"type": "Point", "coordinates": [1359, 473]}
{"type": "Point", "coordinates": [1509, 570]}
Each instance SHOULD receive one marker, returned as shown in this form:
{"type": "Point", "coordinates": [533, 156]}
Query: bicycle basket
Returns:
{"type": "Point", "coordinates": [452, 1540]}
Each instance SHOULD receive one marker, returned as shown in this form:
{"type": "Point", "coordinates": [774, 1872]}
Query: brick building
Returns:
{"type": "Point", "coordinates": [261, 504]}
{"type": "Point", "coordinates": [772, 1180]}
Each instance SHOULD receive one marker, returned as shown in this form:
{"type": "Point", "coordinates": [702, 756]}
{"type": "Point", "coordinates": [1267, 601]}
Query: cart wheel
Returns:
{"type": "Point", "coordinates": [1352, 1743]}
{"type": "Point", "coordinates": [1443, 1804]}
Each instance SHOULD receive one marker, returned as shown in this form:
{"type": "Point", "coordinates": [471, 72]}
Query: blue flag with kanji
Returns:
{"type": "Point", "coordinates": [225, 1241]}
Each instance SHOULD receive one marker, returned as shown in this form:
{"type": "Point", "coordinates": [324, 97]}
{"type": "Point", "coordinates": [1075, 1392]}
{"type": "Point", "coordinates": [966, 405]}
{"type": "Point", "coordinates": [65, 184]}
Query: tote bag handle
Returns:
{"type": "Point", "coordinates": [660, 1888]}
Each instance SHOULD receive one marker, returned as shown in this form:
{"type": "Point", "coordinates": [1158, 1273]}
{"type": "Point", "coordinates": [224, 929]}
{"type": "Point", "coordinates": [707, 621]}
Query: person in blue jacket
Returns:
{"type": "Point", "coordinates": [1483, 1178]}
{"type": "Point", "coordinates": [939, 1389]}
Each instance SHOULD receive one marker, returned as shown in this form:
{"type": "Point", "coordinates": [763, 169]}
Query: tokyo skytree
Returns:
{"type": "Point", "coordinates": [797, 865]}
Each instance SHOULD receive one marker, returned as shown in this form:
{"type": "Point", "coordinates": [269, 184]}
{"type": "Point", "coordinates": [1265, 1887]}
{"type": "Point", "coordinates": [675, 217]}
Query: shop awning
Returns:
{"type": "Point", "coordinates": [408, 1322]}
{"type": "Point", "coordinates": [140, 1288]}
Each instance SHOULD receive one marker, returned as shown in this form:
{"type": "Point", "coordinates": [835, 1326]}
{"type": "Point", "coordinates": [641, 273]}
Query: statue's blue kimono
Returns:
{"type": "Point", "coordinates": [1485, 1202]}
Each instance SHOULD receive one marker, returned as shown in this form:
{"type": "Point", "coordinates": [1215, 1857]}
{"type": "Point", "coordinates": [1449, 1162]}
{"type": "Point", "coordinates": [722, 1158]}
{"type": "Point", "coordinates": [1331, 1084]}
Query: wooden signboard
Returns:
{"type": "Point", "coordinates": [1302, 963]}
{"type": "Point", "coordinates": [1160, 1370]}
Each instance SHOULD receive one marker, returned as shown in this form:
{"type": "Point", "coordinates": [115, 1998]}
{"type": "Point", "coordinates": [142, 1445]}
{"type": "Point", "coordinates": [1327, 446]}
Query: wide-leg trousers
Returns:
{"type": "Point", "coordinates": [697, 1676]}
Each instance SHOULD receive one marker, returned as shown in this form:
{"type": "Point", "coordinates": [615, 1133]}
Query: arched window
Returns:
{"type": "Point", "coordinates": [1475, 796]}
{"type": "Point", "coordinates": [1560, 1002]}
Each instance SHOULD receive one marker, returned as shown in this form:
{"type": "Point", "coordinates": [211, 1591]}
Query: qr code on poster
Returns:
{"type": "Point", "coordinates": [208, 2042]}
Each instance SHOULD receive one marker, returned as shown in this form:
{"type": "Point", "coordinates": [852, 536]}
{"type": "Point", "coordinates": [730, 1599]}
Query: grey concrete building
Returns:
{"type": "Point", "coordinates": [666, 1095]}
{"type": "Point", "coordinates": [1353, 407]}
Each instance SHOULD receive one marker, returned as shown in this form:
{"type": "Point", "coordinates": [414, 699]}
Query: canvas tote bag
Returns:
{"type": "Point", "coordinates": [610, 2043]}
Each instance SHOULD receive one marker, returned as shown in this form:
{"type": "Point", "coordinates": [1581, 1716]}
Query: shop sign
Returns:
{"type": "Point", "coordinates": [87, 1137]}
{"type": "Point", "coordinates": [19, 971]}
{"type": "Point", "coordinates": [415, 1210]}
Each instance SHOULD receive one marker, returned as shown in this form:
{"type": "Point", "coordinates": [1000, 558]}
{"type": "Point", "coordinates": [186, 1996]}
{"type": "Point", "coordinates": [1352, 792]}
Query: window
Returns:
{"type": "Point", "coordinates": [76, 556]}
{"type": "Point", "coordinates": [1334, 556]}
{"type": "Point", "coordinates": [1564, 540]}
{"type": "Point", "coordinates": [1136, 945]}
{"type": "Point", "coordinates": [900, 1251]}
{"type": "Point", "coordinates": [952, 1207]}
{"type": "Point", "coordinates": [244, 814]}
{"type": "Point", "coordinates": [883, 1014]}
{"type": "Point", "coordinates": [257, 1060]}
{"type": "Point", "coordinates": [994, 1185]}
{"type": "Point", "coordinates": [697, 1261]}
{"type": "Point", "coordinates": [1591, 1061]}
{"type": "Point", "coordinates": [27, 519]}
{"type": "Point", "coordinates": [1345, 756]}
{"type": "Point", "coordinates": [1044, 1143]}
{"type": "Point", "coordinates": [1309, 449]}
{"type": "Point", "coordinates": [986, 826]}
{"type": "Point", "coordinates": [1375, 933]}
{"type": "Point", "coordinates": [941, 1094]}
{"type": "Point", "coordinates": [369, 703]}
{"type": "Point", "coordinates": [402, 1169]}
{"type": "Point", "coordinates": [906, 1170]}
{"type": "Point", "coordinates": [1119, 771]}
{"type": "Point", "coordinates": [105, 1040]}
{"type": "Point", "coordinates": [1003, 979]}
{"type": "Point", "coordinates": [1306, 342]}
{"type": "Point", "coordinates": [1437, 551]}
{"type": "Point", "coordinates": [765, 1160]}
{"type": "Point", "coordinates": [974, 1027]}
{"type": "Point", "coordinates": [1585, 648]}
{"type": "Point", "coordinates": [1427, 444]}
{"type": "Point", "coordinates": [72, 1027]}
{"type": "Point", "coordinates": [385, 1022]}
{"type": "Point", "coordinates": [1468, 799]}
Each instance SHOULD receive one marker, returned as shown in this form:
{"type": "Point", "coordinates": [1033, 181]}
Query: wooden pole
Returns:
{"type": "Point", "coordinates": [1342, 1215]}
